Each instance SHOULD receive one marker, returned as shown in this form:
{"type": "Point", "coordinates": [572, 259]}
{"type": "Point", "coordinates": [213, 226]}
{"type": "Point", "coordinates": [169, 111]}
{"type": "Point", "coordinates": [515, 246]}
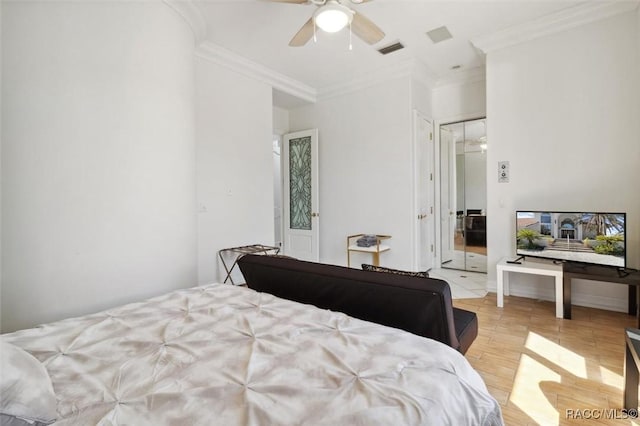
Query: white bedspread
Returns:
{"type": "Point", "coordinates": [224, 355]}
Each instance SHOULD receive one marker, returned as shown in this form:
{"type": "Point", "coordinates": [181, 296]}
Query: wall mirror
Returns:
{"type": "Point", "coordinates": [463, 192]}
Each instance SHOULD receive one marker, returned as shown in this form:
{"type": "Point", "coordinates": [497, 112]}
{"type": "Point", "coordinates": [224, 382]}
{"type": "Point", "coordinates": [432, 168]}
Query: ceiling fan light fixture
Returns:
{"type": "Point", "coordinates": [332, 17]}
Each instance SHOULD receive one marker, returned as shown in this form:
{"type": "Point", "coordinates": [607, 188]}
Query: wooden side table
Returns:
{"type": "Point", "coordinates": [240, 251]}
{"type": "Point", "coordinates": [607, 274]}
{"type": "Point", "coordinates": [529, 267]}
{"type": "Point", "coordinates": [375, 250]}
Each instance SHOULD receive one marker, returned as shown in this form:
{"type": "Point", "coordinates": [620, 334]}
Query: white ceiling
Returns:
{"type": "Point", "coordinates": [260, 31]}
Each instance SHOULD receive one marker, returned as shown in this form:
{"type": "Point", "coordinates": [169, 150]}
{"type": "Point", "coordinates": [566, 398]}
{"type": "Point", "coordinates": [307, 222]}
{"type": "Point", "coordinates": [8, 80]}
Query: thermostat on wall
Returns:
{"type": "Point", "coordinates": [503, 172]}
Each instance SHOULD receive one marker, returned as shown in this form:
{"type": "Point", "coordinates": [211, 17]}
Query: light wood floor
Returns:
{"type": "Point", "coordinates": [538, 366]}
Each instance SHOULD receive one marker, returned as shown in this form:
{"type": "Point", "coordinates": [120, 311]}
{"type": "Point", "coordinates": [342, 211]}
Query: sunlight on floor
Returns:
{"type": "Point", "coordinates": [549, 371]}
{"type": "Point", "coordinates": [527, 393]}
{"type": "Point", "coordinates": [563, 358]}
{"type": "Point", "coordinates": [610, 378]}
{"type": "Point", "coordinates": [545, 365]}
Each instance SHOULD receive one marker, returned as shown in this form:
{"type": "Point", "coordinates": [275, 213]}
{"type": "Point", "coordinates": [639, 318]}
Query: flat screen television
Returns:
{"type": "Point", "coordinates": [586, 237]}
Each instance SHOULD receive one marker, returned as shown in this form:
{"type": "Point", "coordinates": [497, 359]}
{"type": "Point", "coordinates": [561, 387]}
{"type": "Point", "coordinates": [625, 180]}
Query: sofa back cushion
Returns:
{"type": "Point", "coordinates": [419, 305]}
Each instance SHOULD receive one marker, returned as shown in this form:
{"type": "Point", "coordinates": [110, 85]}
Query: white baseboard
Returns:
{"type": "Point", "coordinates": [577, 298]}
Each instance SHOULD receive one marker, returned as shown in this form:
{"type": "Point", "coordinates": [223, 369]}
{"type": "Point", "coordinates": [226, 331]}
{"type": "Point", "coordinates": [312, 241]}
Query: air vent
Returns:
{"type": "Point", "coordinates": [391, 48]}
{"type": "Point", "coordinates": [439, 34]}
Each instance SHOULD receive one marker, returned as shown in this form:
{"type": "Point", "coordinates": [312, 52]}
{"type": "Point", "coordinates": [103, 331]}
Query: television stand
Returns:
{"type": "Point", "coordinates": [608, 274]}
{"type": "Point", "coordinates": [529, 267]}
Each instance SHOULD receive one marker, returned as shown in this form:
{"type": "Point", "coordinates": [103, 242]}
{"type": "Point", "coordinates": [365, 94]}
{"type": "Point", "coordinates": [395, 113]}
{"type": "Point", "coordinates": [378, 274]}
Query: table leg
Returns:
{"type": "Point", "coordinates": [559, 296]}
{"type": "Point", "coordinates": [376, 259]}
{"type": "Point", "coordinates": [633, 305]}
{"type": "Point", "coordinates": [637, 306]}
{"type": "Point", "coordinates": [566, 297]}
{"type": "Point", "coordinates": [500, 289]}
{"type": "Point", "coordinates": [630, 380]}
{"type": "Point", "coordinates": [507, 284]}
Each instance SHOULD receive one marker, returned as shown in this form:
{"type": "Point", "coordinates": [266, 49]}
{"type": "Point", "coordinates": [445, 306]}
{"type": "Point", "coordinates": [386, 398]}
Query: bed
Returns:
{"type": "Point", "coordinates": [227, 355]}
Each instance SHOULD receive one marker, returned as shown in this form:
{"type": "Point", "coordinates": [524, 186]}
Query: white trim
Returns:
{"type": "Point", "coordinates": [240, 64]}
{"type": "Point", "coordinates": [460, 117]}
{"type": "Point", "coordinates": [538, 292]}
{"type": "Point", "coordinates": [589, 301]}
{"type": "Point", "coordinates": [373, 78]}
{"type": "Point", "coordinates": [599, 302]}
{"type": "Point", "coordinates": [406, 68]}
{"type": "Point", "coordinates": [192, 15]}
{"type": "Point", "coordinates": [563, 20]}
{"type": "Point", "coordinates": [415, 166]}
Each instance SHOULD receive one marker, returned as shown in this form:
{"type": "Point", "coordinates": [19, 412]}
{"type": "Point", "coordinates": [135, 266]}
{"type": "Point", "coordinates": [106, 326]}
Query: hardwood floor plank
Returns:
{"type": "Point", "coordinates": [543, 370]}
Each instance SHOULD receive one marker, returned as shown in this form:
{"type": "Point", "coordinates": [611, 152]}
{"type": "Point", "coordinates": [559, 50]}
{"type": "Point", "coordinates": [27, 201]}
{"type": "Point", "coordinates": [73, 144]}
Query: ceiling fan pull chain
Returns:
{"type": "Point", "coordinates": [350, 37]}
{"type": "Point", "coordinates": [314, 31]}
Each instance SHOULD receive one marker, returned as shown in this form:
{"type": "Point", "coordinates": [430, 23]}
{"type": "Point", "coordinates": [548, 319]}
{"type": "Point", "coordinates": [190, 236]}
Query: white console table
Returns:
{"type": "Point", "coordinates": [530, 267]}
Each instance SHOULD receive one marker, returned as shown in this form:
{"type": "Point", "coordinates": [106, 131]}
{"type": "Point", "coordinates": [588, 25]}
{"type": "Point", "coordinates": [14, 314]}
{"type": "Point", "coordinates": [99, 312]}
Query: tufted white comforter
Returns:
{"type": "Point", "coordinates": [224, 355]}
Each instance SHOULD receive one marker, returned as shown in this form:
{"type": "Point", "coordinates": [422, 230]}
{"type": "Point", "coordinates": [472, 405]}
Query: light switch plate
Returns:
{"type": "Point", "coordinates": [503, 172]}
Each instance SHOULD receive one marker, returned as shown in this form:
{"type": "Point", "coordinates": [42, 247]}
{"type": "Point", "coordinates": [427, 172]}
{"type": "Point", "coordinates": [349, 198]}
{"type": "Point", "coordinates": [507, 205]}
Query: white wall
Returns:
{"type": "Point", "coordinates": [98, 157]}
{"type": "Point", "coordinates": [457, 102]}
{"type": "Point", "coordinates": [234, 128]}
{"type": "Point", "coordinates": [366, 181]}
{"type": "Point", "coordinates": [280, 121]}
{"type": "Point", "coordinates": [564, 111]}
{"type": "Point", "coordinates": [280, 127]}
{"type": "Point", "coordinates": [421, 98]}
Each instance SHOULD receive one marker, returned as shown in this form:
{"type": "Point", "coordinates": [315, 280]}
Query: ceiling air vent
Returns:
{"type": "Point", "coordinates": [391, 48]}
{"type": "Point", "coordinates": [439, 34]}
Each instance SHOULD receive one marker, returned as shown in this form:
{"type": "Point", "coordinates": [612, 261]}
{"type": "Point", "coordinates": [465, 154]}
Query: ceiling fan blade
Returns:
{"type": "Point", "coordinates": [303, 35]}
{"type": "Point", "coordinates": [365, 29]}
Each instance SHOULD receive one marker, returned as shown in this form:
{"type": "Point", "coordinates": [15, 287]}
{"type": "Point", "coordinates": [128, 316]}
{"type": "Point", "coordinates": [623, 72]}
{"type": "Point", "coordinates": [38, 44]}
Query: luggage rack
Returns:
{"type": "Point", "coordinates": [241, 251]}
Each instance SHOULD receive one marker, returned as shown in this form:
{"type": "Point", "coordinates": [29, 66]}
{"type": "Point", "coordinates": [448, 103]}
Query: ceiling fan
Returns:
{"type": "Point", "coordinates": [332, 16]}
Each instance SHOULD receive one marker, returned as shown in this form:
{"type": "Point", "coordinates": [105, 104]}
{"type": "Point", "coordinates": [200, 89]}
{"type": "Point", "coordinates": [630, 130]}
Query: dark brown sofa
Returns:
{"type": "Point", "coordinates": [419, 305]}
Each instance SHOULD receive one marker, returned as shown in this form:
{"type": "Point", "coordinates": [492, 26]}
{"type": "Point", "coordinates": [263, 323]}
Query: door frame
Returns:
{"type": "Point", "coordinates": [442, 218]}
{"type": "Point", "coordinates": [437, 123]}
{"type": "Point", "coordinates": [415, 220]}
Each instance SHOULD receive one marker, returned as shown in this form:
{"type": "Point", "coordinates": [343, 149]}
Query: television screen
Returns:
{"type": "Point", "coordinates": [596, 238]}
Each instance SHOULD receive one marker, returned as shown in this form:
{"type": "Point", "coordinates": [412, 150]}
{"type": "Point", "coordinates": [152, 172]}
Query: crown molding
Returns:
{"type": "Point", "coordinates": [380, 75]}
{"type": "Point", "coordinates": [226, 58]}
{"type": "Point", "coordinates": [460, 78]}
{"type": "Point", "coordinates": [192, 15]}
{"type": "Point", "coordinates": [563, 20]}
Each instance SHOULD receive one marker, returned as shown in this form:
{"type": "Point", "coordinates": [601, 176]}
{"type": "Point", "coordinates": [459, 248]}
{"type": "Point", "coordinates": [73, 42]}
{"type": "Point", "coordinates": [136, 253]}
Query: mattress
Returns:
{"type": "Point", "coordinates": [227, 355]}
